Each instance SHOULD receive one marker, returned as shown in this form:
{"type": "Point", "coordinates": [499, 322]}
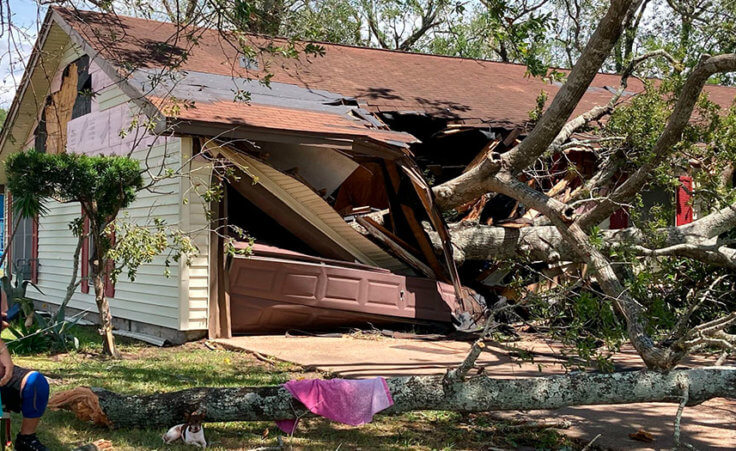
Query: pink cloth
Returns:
{"type": "Point", "coordinates": [348, 401]}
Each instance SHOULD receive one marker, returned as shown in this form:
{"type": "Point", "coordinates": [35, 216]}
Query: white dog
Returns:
{"type": "Point", "coordinates": [191, 432]}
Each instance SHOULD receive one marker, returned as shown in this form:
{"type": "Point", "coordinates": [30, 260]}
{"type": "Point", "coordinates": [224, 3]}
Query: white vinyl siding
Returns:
{"type": "Point", "coordinates": [152, 298]}
{"type": "Point", "coordinates": [179, 301]}
{"type": "Point", "coordinates": [196, 276]}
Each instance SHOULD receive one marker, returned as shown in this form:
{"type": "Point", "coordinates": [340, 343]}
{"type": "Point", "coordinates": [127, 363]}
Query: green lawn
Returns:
{"type": "Point", "coordinates": [147, 369]}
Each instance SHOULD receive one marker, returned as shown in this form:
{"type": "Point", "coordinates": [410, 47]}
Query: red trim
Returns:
{"type": "Point", "coordinates": [109, 285]}
{"type": "Point", "coordinates": [8, 244]}
{"type": "Point", "coordinates": [84, 285]}
{"type": "Point", "coordinates": [34, 250]}
{"type": "Point", "coordinates": [685, 211]}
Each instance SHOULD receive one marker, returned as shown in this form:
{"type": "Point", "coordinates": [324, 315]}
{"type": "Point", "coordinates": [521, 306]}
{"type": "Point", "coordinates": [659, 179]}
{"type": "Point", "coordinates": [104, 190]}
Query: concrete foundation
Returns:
{"type": "Point", "coordinates": [172, 336]}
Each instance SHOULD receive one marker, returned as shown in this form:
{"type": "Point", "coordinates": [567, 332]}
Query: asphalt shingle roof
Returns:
{"type": "Point", "coordinates": [469, 91]}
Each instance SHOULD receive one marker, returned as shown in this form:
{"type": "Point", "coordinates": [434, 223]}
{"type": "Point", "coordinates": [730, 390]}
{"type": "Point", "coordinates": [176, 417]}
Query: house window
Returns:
{"type": "Point", "coordinates": [83, 101]}
{"type": "Point", "coordinates": [23, 257]}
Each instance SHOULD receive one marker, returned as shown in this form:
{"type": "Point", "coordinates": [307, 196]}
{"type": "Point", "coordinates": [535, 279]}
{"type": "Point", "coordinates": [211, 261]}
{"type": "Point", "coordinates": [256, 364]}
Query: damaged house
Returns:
{"type": "Point", "coordinates": [330, 165]}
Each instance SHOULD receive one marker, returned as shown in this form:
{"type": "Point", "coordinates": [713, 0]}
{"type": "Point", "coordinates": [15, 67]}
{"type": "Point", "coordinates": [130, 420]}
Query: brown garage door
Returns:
{"type": "Point", "coordinates": [269, 294]}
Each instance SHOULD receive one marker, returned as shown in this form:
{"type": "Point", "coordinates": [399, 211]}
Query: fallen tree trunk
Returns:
{"type": "Point", "coordinates": [476, 394]}
{"type": "Point", "coordinates": [545, 242]}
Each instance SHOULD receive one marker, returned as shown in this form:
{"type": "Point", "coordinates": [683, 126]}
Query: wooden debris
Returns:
{"type": "Point", "coordinates": [476, 210]}
{"type": "Point", "coordinates": [482, 155]}
{"type": "Point", "coordinates": [361, 210]}
{"type": "Point", "coordinates": [510, 140]}
{"type": "Point", "coordinates": [425, 245]}
{"type": "Point", "coordinates": [562, 185]}
{"type": "Point", "coordinates": [396, 245]}
{"type": "Point", "coordinates": [59, 111]}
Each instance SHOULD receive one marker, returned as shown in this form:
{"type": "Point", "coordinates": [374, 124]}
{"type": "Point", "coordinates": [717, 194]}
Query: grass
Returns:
{"type": "Point", "coordinates": [147, 369]}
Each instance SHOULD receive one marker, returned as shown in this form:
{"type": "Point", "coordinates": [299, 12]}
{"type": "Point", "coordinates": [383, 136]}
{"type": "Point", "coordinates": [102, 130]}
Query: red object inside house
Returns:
{"type": "Point", "coordinates": [684, 201]}
{"type": "Point", "coordinates": [620, 219]}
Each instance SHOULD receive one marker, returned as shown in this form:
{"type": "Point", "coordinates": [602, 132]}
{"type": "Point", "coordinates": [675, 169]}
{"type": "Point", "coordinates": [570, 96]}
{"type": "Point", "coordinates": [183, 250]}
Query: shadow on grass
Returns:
{"type": "Point", "coordinates": [199, 368]}
{"type": "Point", "coordinates": [429, 430]}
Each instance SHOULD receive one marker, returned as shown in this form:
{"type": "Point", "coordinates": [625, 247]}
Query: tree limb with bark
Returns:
{"type": "Point", "coordinates": [569, 237]}
{"type": "Point", "coordinates": [413, 393]}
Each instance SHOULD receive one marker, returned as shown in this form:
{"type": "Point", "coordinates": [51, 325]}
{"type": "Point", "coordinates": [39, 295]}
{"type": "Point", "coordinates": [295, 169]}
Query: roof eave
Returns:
{"type": "Point", "coordinates": [25, 79]}
{"type": "Point", "coordinates": [344, 141]}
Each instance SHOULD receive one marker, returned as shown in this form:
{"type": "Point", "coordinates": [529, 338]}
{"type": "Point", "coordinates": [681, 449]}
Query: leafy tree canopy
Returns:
{"type": "Point", "coordinates": [103, 184]}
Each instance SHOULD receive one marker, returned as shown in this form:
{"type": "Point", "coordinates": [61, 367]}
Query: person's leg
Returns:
{"type": "Point", "coordinates": [29, 425]}
{"type": "Point", "coordinates": [34, 397]}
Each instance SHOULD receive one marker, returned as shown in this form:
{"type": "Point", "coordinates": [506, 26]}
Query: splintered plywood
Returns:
{"type": "Point", "coordinates": [308, 205]}
{"type": "Point", "coordinates": [59, 111]}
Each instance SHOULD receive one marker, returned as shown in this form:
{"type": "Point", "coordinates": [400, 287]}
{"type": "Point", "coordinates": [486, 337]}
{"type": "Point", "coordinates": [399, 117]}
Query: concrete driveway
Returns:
{"type": "Point", "coordinates": [711, 425]}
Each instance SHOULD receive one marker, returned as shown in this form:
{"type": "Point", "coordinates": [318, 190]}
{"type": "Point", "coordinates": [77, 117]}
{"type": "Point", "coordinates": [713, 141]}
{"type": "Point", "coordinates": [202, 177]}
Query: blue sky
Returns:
{"type": "Point", "coordinates": [16, 46]}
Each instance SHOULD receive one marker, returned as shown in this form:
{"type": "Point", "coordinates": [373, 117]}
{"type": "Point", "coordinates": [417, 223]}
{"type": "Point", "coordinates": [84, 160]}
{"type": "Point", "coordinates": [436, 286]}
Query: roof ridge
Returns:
{"type": "Point", "coordinates": [358, 47]}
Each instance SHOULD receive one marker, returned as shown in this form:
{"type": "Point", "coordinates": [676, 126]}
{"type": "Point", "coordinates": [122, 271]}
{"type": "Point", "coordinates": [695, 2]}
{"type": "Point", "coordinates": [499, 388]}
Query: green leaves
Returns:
{"type": "Point", "coordinates": [15, 291]}
{"type": "Point", "coordinates": [108, 182]}
{"type": "Point", "coordinates": [139, 244]}
{"type": "Point", "coordinates": [537, 112]}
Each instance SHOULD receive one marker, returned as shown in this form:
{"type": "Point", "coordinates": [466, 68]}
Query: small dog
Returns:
{"type": "Point", "coordinates": [191, 432]}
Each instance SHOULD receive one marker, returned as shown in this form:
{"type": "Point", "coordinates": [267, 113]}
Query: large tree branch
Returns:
{"type": "Point", "coordinates": [713, 254]}
{"type": "Point", "coordinates": [546, 244]}
{"type": "Point", "coordinates": [655, 357]}
{"type": "Point", "coordinates": [667, 141]}
{"type": "Point", "coordinates": [475, 182]}
{"type": "Point", "coordinates": [429, 21]}
{"type": "Point", "coordinates": [476, 394]}
{"type": "Point", "coordinates": [373, 24]}
{"type": "Point", "coordinates": [560, 215]}
{"type": "Point", "coordinates": [599, 111]}
{"type": "Point", "coordinates": [713, 224]}
{"type": "Point", "coordinates": [582, 74]}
